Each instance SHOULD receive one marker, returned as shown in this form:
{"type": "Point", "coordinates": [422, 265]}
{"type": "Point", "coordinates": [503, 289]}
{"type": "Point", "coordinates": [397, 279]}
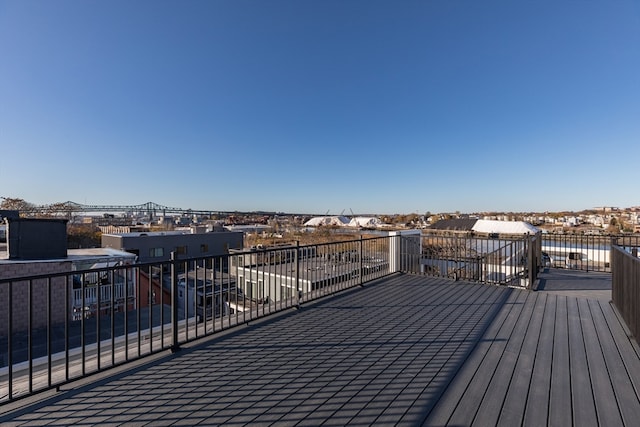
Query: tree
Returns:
{"type": "Point", "coordinates": [56, 209]}
{"type": "Point", "coordinates": [83, 236]}
{"type": "Point", "coordinates": [15, 204]}
{"type": "Point", "coordinates": [614, 226]}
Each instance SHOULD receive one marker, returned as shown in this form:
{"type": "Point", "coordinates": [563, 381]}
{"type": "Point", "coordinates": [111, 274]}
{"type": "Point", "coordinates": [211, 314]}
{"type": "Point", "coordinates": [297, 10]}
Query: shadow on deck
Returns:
{"type": "Point", "coordinates": [405, 350]}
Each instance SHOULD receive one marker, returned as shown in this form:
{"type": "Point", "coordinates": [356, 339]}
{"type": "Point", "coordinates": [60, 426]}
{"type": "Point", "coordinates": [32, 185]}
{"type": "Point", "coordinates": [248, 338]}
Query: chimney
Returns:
{"type": "Point", "coordinates": [36, 239]}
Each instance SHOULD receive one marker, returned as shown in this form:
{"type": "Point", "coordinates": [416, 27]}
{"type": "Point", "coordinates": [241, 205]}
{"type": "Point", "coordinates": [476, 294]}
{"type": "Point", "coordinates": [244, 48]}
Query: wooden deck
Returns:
{"type": "Point", "coordinates": [548, 358]}
{"type": "Point", "coordinates": [407, 350]}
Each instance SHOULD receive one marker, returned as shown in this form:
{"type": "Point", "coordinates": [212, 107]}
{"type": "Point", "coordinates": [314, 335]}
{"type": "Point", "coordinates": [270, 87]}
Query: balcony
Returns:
{"type": "Point", "coordinates": [388, 345]}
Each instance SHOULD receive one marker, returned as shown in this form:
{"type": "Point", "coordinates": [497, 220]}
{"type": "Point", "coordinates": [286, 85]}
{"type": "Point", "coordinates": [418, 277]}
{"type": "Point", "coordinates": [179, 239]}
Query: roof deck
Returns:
{"type": "Point", "coordinates": [404, 350]}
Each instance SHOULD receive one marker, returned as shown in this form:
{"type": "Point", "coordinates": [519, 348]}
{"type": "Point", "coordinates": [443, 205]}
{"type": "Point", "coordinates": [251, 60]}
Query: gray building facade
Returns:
{"type": "Point", "coordinates": [158, 246]}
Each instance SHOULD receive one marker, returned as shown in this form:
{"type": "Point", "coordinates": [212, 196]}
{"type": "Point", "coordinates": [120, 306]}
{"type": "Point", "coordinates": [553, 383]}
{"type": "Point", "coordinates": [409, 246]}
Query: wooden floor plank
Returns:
{"type": "Point", "coordinates": [627, 346]}
{"type": "Point", "coordinates": [513, 409]}
{"type": "Point", "coordinates": [506, 364]}
{"type": "Point", "coordinates": [625, 394]}
{"type": "Point", "coordinates": [574, 362]}
{"type": "Point", "coordinates": [537, 405]}
{"type": "Point", "coordinates": [487, 300]}
{"type": "Point", "coordinates": [469, 404]}
{"type": "Point", "coordinates": [445, 406]}
{"type": "Point", "coordinates": [446, 340]}
{"type": "Point", "coordinates": [606, 406]}
{"type": "Point", "coordinates": [560, 409]}
{"type": "Point", "coordinates": [582, 402]}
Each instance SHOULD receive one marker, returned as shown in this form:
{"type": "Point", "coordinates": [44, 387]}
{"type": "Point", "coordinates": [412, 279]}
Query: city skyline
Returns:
{"type": "Point", "coordinates": [285, 106]}
{"type": "Point", "coordinates": [69, 206]}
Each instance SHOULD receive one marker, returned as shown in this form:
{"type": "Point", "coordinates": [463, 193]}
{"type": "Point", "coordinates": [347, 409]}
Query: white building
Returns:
{"type": "Point", "coordinates": [365, 222]}
{"type": "Point", "coordinates": [319, 221]}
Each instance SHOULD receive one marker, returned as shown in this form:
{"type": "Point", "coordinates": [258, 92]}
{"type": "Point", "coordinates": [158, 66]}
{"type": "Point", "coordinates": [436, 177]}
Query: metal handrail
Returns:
{"type": "Point", "coordinates": [172, 303]}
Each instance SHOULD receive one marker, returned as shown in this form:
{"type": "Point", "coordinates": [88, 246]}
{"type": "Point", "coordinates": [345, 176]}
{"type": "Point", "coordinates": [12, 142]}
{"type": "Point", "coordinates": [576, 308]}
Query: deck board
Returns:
{"type": "Point", "coordinates": [551, 359]}
{"type": "Point", "coordinates": [560, 394]}
{"type": "Point", "coordinates": [469, 403]}
{"type": "Point", "coordinates": [606, 408]}
{"type": "Point", "coordinates": [537, 405]}
{"type": "Point", "coordinates": [626, 346]}
{"type": "Point", "coordinates": [505, 361]}
{"type": "Point", "coordinates": [444, 407]}
{"type": "Point", "coordinates": [582, 402]}
{"type": "Point", "coordinates": [513, 407]}
{"type": "Point", "coordinates": [433, 361]}
{"type": "Point", "coordinates": [440, 316]}
{"type": "Point", "coordinates": [616, 369]}
{"type": "Point", "coordinates": [428, 397]}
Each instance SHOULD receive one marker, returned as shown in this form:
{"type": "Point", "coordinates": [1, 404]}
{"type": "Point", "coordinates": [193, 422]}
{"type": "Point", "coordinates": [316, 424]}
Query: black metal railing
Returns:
{"type": "Point", "coordinates": [584, 252]}
{"type": "Point", "coordinates": [625, 285]}
{"type": "Point", "coordinates": [512, 261]}
{"type": "Point", "coordinates": [57, 328]}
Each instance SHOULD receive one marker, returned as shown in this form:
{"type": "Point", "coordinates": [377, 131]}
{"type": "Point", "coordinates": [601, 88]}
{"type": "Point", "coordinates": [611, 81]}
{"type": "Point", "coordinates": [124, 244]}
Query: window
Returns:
{"type": "Point", "coordinates": [250, 291]}
{"type": "Point", "coordinates": [204, 248]}
{"type": "Point", "coordinates": [156, 252]}
{"type": "Point", "coordinates": [286, 291]}
{"type": "Point", "coordinates": [575, 255]}
{"type": "Point", "coordinates": [181, 250]}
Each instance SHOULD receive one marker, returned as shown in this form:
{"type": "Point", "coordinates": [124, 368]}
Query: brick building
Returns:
{"type": "Point", "coordinates": [37, 247]}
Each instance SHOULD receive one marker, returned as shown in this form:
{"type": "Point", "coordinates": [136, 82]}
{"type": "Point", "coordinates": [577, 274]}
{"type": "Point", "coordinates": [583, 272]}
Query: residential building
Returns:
{"type": "Point", "coordinates": [37, 247]}
{"type": "Point", "coordinates": [191, 243]}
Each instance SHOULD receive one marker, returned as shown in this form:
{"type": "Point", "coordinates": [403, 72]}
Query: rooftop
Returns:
{"type": "Point", "coordinates": [403, 350]}
{"type": "Point", "coordinates": [82, 258]}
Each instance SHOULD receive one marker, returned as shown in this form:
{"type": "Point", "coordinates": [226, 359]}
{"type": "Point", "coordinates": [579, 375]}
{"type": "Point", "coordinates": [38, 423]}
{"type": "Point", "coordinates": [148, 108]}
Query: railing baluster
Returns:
{"type": "Point", "coordinates": [139, 308]}
{"type": "Point", "coordinates": [175, 343]}
{"type": "Point", "coordinates": [98, 312]}
{"type": "Point", "coordinates": [161, 303]}
{"type": "Point", "coordinates": [82, 323]}
{"type": "Point", "coordinates": [10, 309]}
{"type": "Point", "coordinates": [113, 324]}
{"type": "Point", "coordinates": [30, 333]}
{"type": "Point", "coordinates": [126, 315]}
{"type": "Point", "coordinates": [66, 326]}
{"type": "Point", "coordinates": [49, 347]}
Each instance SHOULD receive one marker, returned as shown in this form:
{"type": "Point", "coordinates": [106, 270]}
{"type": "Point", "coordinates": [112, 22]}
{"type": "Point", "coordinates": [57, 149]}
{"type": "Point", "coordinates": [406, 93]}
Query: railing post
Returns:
{"type": "Point", "coordinates": [531, 262]}
{"type": "Point", "coordinates": [361, 265]}
{"type": "Point", "coordinates": [455, 257]}
{"type": "Point", "coordinates": [30, 335]}
{"type": "Point", "coordinates": [297, 262]}
{"type": "Point", "coordinates": [10, 339]}
{"type": "Point", "coordinates": [49, 338]}
{"type": "Point", "coordinates": [175, 343]}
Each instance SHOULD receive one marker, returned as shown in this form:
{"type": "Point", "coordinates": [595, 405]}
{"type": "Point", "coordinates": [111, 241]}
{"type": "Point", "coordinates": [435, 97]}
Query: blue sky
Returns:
{"type": "Point", "coordinates": [316, 106]}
